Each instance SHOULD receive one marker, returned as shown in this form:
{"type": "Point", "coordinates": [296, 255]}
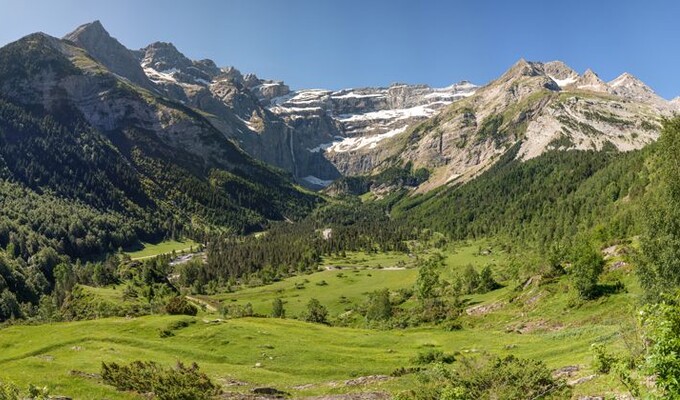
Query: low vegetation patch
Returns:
{"type": "Point", "coordinates": [489, 377]}
{"type": "Point", "coordinates": [148, 377]}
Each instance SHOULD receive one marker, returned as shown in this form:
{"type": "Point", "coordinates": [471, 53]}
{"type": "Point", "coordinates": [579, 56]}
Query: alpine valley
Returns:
{"type": "Point", "coordinates": [175, 229]}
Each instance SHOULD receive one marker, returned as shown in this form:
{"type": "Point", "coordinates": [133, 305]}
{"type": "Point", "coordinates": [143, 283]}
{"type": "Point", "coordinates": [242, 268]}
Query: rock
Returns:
{"type": "Point", "coordinates": [581, 380]}
{"type": "Point", "coordinates": [353, 396]}
{"type": "Point", "coordinates": [618, 265]}
{"type": "Point", "coordinates": [233, 382]}
{"type": "Point", "coordinates": [566, 372]}
{"type": "Point", "coordinates": [269, 391]}
{"type": "Point", "coordinates": [484, 309]}
{"type": "Point", "coordinates": [81, 374]}
{"type": "Point", "coordinates": [99, 44]}
{"type": "Point", "coordinates": [366, 380]}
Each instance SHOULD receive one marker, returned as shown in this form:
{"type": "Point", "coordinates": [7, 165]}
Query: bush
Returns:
{"type": "Point", "coordinates": [488, 377]}
{"type": "Point", "coordinates": [486, 281]}
{"type": "Point", "coordinates": [10, 391]}
{"type": "Point", "coordinates": [662, 332]}
{"type": "Point", "coordinates": [602, 361]}
{"type": "Point", "coordinates": [179, 383]}
{"type": "Point", "coordinates": [379, 307]}
{"type": "Point", "coordinates": [277, 308]}
{"type": "Point", "coordinates": [180, 306]}
{"type": "Point", "coordinates": [588, 264]}
{"type": "Point", "coordinates": [237, 310]}
{"type": "Point", "coordinates": [175, 326]}
{"type": "Point", "coordinates": [315, 312]}
{"type": "Point", "coordinates": [434, 356]}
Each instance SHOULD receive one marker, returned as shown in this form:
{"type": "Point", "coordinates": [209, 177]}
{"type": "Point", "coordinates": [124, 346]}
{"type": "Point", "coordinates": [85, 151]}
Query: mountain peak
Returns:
{"type": "Point", "coordinates": [561, 73]}
{"type": "Point", "coordinates": [93, 38]}
{"type": "Point", "coordinates": [93, 29]}
{"type": "Point", "coordinates": [163, 56]}
{"type": "Point", "coordinates": [629, 86]}
{"type": "Point", "coordinates": [559, 70]}
{"type": "Point", "coordinates": [626, 79]}
{"type": "Point", "coordinates": [676, 103]}
{"type": "Point", "coordinates": [592, 82]}
{"type": "Point", "coordinates": [522, 68]}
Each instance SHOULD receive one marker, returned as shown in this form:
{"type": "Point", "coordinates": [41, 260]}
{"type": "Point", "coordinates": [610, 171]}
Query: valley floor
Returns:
{"type": "Point", "coordinates": [528, 319]}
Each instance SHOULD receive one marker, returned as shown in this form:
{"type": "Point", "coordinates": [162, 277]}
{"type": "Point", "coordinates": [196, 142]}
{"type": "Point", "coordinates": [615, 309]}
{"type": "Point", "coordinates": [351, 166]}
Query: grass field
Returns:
{"type": "Point", "coordinates": [291, 353]}
{"type": "Point", "coordinates": [539, 320]}
{"type": "Point", "coordinates": [148, 250]}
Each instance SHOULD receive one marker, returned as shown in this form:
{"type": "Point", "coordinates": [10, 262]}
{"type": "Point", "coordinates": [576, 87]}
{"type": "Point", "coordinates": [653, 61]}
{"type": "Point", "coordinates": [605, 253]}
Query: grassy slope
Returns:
{"type": "Point", "coordinates": [304, 353]}
{"type": "Point", "coordinates": [360, 274]}
{"type": "Point", "coordinates": [301, 353]}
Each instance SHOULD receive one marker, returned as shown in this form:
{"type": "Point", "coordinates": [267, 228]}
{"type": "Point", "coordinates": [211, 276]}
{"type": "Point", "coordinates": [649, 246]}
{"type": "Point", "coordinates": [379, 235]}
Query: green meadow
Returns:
{"type": "Point", "coordinates": [541, 320]}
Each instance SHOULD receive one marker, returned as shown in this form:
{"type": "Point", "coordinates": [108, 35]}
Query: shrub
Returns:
{"type": "Point", "coordinates": [277, 309]}
{"type": "Point", "coordinates": [488, 377]}
{"type": "Point", "coordinates": [486, 281]}
{"type": "Point", "coordinates": [602, 360]}
{"type": "Point", "coordinates": [180, 306]}
{"type": "Point", "coordinates": [237, 310]}
{"type": "Point", "coordinates": [315, 312]}
{"type": "Point", "coordinates": [434, 356]}
{"type": "Point", "coordinates": [662, 327]}
{"type": "Point", "coordinates": [10, 391]}
{"type": "Point", "coordinates": [588, 264]}
{"type": "Point", "coordinates": [164, 333]}
{"type": "Point", "coordinates": [379, 307]}
{"type": "Point", "coordinates": [179, 383]}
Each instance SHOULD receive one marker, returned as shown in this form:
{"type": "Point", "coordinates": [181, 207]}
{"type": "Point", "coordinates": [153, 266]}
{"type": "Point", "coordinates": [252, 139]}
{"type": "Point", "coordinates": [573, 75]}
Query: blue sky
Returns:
{"type": "Point", "coordinates": [349, 43]}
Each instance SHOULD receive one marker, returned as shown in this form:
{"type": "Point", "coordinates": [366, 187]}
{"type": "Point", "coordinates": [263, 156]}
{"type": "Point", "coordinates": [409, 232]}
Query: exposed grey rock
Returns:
{"type": "Point", "coordinates": [108, 51]}
{"type": "Point", "coordinates": [592, 82]}
{"type": "Point", "coordinates": [559, 70]}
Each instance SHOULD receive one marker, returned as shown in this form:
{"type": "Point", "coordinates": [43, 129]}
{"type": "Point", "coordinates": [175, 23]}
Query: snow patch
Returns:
{"type": "Point", "coordinates": [396, 114]}
{"type": "Point", "coordinates": [159, 76]}
{"type": "Point", "coordinates": [354, 95]}
{"type": "Point", "coordinates": [320, 148]}
{"type": "Point", "coordinates": [563, 82]}
{"type": "Point", "coordinates": [356, 143]}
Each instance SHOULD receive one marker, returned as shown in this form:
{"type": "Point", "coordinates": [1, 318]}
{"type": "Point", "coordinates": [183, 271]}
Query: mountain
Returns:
{"type": "Point", "coordinates": [306, 132]}
{"type": "Point", "coordinates": [77, 135]}
{"type": "Point", "coordinates": [454, 133]}
{"type": "Point", "coordinates": [536, 106]}
{"type": "Point", "coordinates": [676, 103]}
{"type": "Point", "coordinates": [364, 117]}
{"type": "Point", "coordinates": [109, 52]}
{"type": "Point", "coordinates": [235, 105]}
{"type": "Point", "coordinates": [630, 87]}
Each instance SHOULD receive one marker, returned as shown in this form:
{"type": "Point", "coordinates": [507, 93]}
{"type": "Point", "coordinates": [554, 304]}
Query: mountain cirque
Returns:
{"type": "Point", "coordinates": [455, 132]}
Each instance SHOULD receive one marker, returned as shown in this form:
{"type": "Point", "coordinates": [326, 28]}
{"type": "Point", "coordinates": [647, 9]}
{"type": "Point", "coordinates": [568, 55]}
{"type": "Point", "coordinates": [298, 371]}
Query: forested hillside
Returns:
{"type": "Point", "coordinates": [547, 199]}
{"type": "Point", "coordinates": [90, 163]}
